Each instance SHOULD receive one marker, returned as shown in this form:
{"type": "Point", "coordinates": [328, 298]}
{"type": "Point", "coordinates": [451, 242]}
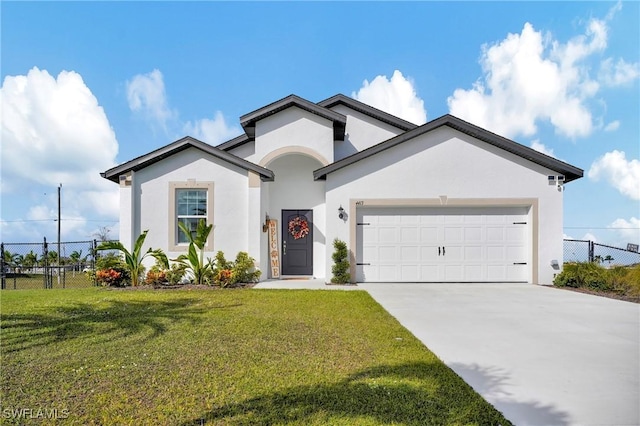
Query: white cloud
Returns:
{"type": "Point", "coordinates": [58, 133]}
{"type": "Point", "coordinates": [396, 96]}
{"type": "Point", "coordinates": [146, 95]}
{"type": "Point", "coordinates": [530, 78]}
{"type": "Point", "coordinates": [213, 131]}
{"type": "Point", "coordinates": [622, 174]}
{"type": "Point", "coordinates": [613, 126]}
{"type": "Point", "coordinates": [629, 230]}
{"type": "Point", "coordinates": [540, 147]}
{"type": "Point", "coordinates": [619, 73]}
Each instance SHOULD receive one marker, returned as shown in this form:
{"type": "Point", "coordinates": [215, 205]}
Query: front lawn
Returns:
{"type": "Point", "coordinates": [100, 356]}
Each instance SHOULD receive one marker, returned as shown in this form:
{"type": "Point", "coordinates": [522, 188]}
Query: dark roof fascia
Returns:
{"type": "Point", "coordinates": [248, 121]}
{"type": "Point", "coordinates": [363, 108]}
{"type": "Point", "coordinates": [570, 172]}
{"type": "Point", "coordinates": [234, 143]}
{"type": "Point", "coordinates": [143, 161]}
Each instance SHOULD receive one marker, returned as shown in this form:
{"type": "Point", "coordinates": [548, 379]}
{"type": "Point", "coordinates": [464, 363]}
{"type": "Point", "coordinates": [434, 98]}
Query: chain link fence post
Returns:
{"type": "Point", "coordinates": [3, 282]}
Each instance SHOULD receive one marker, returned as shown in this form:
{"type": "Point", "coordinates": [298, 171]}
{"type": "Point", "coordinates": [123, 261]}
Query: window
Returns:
{"type": "Point", "coordinates": [189, 203]}
{"type": "Point", "coordinates": [192, 208]}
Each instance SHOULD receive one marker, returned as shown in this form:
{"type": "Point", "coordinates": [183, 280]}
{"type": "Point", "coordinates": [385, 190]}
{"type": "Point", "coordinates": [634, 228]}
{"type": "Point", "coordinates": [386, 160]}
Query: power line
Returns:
{"type": "Point", "coordinates": [53, 220]}
{"type": "Point", "coordinates": [596, 227]}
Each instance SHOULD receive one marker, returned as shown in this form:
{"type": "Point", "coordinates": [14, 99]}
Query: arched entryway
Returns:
{"type": "Point", "coordinates": [295, 198]}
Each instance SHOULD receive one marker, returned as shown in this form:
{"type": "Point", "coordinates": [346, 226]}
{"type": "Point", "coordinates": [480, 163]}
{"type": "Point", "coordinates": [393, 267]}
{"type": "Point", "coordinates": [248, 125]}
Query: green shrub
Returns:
{"type": "Point", "coordinates": [226, 273]}
{"type": "Point", "coordinates": [590, 275]}
{"type": "Point", "coordinates": [245, 268]}
{"type": "Point", "coordinates": [111, 271]}
{"type": "Point", "coordinates": [633, 281]}
{"type": "Point", "coordinates": [175, 274]}
{"type": "Point", "coordinates": [340, 268]}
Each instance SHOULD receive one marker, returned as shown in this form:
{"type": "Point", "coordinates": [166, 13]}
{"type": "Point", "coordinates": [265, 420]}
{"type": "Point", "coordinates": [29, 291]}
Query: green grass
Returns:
{"type": "Point", "coordinates": [231, 357]}
{"type": "Point", "coordinates": [36, 281]}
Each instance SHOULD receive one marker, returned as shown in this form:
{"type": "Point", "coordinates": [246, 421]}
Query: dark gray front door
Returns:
{"type": "Point", "coordinates": [297, 242]}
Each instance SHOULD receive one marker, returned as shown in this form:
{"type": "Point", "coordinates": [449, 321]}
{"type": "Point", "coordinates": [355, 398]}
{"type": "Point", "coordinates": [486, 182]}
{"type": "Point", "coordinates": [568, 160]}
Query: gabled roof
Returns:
{"type": "Point", "coordinates": [248, 121]}
{"type": "Point", "coordinates": [570, 172]}
{"type": "Point", "coordinates": [355, 105]}
{"type": "Point", "coordinates": [141, 162]}
{"type": "Point", "coordinates": [235, 142]}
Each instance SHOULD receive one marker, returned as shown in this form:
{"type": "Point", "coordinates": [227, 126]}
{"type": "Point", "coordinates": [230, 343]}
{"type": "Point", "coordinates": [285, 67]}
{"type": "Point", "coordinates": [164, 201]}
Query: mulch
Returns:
{"type": "Point", "coordinates": [626, 298]}
{"type": "Point", "coordinates": [181, 287]}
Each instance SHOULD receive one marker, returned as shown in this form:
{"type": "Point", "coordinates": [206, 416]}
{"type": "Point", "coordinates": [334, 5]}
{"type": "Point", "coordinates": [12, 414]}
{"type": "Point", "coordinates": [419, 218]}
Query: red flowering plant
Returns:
{"type": "Point", "coordinates": [109, 277]}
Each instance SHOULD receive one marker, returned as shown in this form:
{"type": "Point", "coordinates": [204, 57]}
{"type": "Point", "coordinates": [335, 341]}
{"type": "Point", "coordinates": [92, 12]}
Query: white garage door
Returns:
{"type": "Point", "coordinates": [443, 244]}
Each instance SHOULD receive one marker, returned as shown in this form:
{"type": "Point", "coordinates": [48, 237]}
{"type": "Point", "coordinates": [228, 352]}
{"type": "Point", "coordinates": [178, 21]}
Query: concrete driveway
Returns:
{"type": "Point", "coordinates": [540, 355]}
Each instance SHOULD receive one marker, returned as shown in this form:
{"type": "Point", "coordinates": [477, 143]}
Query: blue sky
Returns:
{"type": "Point", "coordinates": [86, 86]}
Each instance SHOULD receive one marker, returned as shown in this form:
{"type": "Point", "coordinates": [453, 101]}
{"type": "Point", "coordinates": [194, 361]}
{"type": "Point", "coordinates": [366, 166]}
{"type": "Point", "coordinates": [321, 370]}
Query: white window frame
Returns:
{"type": "Point", "coordinates": [174, 187]}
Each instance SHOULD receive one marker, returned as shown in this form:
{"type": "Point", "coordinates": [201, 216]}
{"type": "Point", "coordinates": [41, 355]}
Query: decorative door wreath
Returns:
{"type": "Point", "coordinates": [298, 227]}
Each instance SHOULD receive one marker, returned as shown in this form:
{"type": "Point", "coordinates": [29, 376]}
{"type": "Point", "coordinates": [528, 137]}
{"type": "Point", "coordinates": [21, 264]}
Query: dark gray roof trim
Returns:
{"type": "Point", "coordinates": [367, 110]}
{"type": "Point", "coordinates": [248, 121]}
{"type": "Point", "coordinates": [141, 162]}
{"type": "Point", "coordinates": [233, 143]}
{"type": "Point", "coordinates": [570, 172]}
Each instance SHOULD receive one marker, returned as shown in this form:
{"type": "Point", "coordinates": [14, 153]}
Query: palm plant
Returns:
{"type": "Point", "coordinates": [134, 259]}
{"type": "Point", "coordinates": [30, 260]}
{"type": "Point", "coordinates": [194, 261]}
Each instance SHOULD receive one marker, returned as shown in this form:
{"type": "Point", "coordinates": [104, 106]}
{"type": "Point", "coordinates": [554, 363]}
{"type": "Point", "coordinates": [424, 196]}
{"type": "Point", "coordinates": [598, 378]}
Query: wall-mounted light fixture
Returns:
{"type": "Point", "coordinates": [265, 227]}
{"type": "Point", "coordinates": [558, 181]}
{"type": "Point", "coordinates": [341, 213]}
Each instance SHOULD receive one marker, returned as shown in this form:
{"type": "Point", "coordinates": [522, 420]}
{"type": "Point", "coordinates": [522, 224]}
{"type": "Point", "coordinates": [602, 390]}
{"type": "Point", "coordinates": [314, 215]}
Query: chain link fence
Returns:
{"type": "Point", "coordinates": [589, 251]}
{"type": "Point", "coordinates": [48, 265]}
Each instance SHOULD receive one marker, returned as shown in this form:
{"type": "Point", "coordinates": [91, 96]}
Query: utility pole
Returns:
{"type": "Point", "coordinates": [59, 189]}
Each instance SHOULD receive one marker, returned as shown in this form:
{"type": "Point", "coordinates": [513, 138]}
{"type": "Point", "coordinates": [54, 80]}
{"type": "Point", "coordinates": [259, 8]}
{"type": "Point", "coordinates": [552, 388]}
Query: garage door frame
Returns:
{"type": "Point", "coordinates": [443, 201]}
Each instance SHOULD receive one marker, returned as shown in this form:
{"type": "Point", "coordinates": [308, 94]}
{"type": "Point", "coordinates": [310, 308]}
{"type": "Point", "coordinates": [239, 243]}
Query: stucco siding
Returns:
{"type": "Point", "coordinates": [230, 200]}
{"type": "Point", "coordinates": [362, 131]}
{"type": "Point", "coordinates": [292, 128]}
{"type": "Point", "coordinates": [447, 163]}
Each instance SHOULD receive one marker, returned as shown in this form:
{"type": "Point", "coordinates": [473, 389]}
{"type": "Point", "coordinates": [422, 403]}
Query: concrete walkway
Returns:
{"type": "Point", "coordinates": [540, 355]}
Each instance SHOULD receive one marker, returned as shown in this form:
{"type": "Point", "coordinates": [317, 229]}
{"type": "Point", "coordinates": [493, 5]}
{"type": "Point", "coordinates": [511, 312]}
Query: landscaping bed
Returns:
{"type": "Point", "coordinates": [617, 282]}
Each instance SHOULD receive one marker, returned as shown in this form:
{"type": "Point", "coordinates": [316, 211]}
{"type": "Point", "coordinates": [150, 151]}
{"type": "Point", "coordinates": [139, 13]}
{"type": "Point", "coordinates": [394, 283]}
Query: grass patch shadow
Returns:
{"type": "Point", "coordinates": [110, 320]}
{"type": "Point", "coordinates": [416, 393]}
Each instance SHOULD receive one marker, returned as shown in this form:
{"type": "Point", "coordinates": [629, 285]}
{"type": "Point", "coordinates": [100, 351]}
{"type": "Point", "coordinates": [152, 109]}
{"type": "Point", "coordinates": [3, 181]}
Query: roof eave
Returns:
{"type": "Point", "coordinates": [141, 162]}
{"type": "Point", "coordinates": [248, 121]}
{"type": "Point", "coordinates": [570, 172]}
{"type": "Point", "coordinates": [368, 110]}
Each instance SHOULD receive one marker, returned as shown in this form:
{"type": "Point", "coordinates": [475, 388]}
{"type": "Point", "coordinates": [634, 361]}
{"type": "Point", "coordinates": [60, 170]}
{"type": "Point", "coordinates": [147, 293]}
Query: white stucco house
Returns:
{"type": "Point", "coordinates": [443, 202]}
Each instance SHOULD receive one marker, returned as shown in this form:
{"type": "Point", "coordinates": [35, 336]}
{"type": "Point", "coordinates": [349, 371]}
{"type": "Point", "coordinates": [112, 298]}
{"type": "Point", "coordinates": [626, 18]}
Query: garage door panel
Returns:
{"type": "Point", "coordinates": [497, 272]}
{"type": "Point", "coordinates": [473, 253]}
{"type": "Point", "coordinates": [387, 254]}
{"type": "Point", "coordinates": [453, 273]}
{"type": "Point", "coordinates": [473, 272]}
{"type": "Point", "coordinates": [409, 235]}
{"type": "Point", "coordinates": [473, 234]}
{"type": "Point", "coordinates": [409, 273]}
{"type": "Point", "coordinates": [429, 234]}
{"type": "Point", "coordinates": [387, 235]}
{"type": "Point", "coordinates": [495, 234]}
{"type": "Point", "coordinates": [428, 253]}
{"type": "Point", "coordinates": [443, 244]}
{"type": "Point", "coordinates": [453, 234]}
{"type": "Point", "coordinates": [496, 253]}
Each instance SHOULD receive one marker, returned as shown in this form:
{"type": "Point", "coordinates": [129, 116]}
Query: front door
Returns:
{"type": "Point", "coordinates": [297, 242]}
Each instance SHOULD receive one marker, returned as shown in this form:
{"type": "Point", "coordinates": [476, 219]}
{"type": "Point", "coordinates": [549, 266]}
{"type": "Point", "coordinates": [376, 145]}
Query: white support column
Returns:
{"type": "Point", "coordinates": [255, 220]}
{"type": "Point", "coordinates": [127, 210]}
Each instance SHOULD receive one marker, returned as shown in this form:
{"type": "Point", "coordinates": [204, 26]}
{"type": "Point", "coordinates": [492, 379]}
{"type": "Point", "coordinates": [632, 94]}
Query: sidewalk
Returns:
{"type": "Point", "coordinates": [303, 284]}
